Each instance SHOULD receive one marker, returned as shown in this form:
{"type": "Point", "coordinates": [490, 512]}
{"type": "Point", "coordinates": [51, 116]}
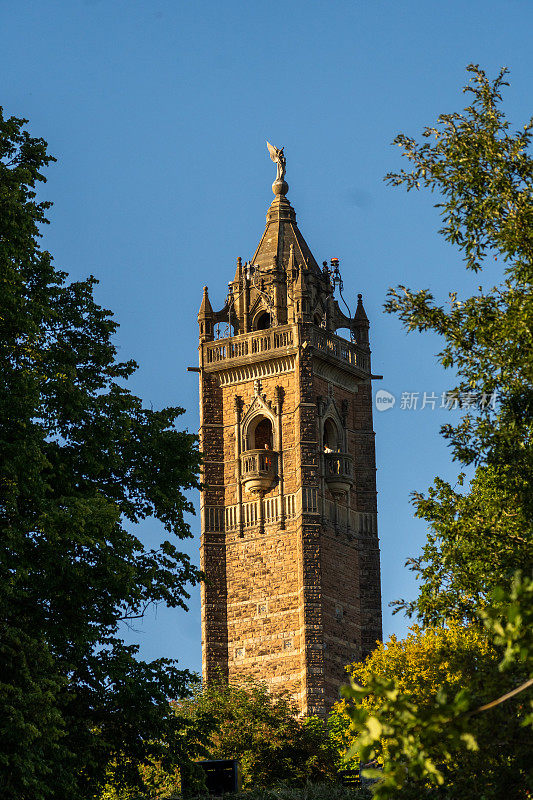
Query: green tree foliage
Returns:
{"type": "Point", "coordinates": [262, 731]}
{"type": "Point", "coordinates": [479, 545]}
{"type": "Point", "coordinates": [404, 682]}
{"type": "Point", "coordinates": [81, 462]}
{"type": "Point", "coordinates": [426, 661]}
{"type": "Point", "coordinates": [484, 176]}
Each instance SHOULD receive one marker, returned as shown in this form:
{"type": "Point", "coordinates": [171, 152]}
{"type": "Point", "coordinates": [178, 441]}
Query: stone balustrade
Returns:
{"type": "Point", "coordinates": [276, 341]}
{"type": "Point", "coordinates": [339, 348]}
{"type": "Point", "coordinates": [249, 344]}
{"type": "Point", "coordinates": [339, 471]}
{"type": "Point", "coordinates": [259, 469]}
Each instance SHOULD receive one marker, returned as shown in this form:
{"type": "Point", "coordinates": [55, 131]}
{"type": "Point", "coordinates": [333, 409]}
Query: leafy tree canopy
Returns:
{"type": "Point", "coordinates": [81, 462]}
{"type": "Point", "coordinates": [262, 731]}
{"type": "Point", "coordinates": [479, 551]}
{"type": "Point", "coordinates": [427, 660]}
{"type": "Point", "coordinates": [399, 686]}
{"type": "Point", "coordinates": [483, 174]}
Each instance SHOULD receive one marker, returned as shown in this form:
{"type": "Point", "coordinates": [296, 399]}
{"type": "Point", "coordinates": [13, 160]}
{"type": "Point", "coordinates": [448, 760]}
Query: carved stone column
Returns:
{"type": "Point", "coordinates": [246, 302]}
{"type": "Point", "coordinates": [238, 412]}
{"type": "Point", "coordinates": [279, 447]}
{"type": "Point", "coordinates": [321, 459]}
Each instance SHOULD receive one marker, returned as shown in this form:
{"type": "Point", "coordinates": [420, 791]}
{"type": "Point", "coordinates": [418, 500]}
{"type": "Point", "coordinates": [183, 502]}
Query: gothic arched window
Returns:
{"type": "Point", "coordinates": [262, 435]}
{"type": "Point", "coordinates": [331, 440]}
{"type": "Point", "coordinates": [259, 434]}
{"type": "Point", "coordinates": [263, 321]}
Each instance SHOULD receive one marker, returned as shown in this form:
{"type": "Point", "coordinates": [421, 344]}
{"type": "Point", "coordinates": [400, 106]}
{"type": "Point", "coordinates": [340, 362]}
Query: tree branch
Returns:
{"type": "Point", "coordinates": [503, 698]}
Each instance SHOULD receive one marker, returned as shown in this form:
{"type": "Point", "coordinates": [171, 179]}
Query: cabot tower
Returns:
{"type": "Point", "coordinates": [289, 540]}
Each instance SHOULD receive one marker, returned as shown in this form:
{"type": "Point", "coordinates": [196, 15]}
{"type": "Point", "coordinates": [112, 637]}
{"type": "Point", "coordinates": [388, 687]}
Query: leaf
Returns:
{"type": "Point", "coordinates": [375, 727]}
{"type": "Point", "coordinates": [470, 741]}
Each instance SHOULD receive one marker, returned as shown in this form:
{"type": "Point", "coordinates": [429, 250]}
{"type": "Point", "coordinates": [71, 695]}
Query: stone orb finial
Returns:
{"type": "Point", "coordinates": [280, 187]}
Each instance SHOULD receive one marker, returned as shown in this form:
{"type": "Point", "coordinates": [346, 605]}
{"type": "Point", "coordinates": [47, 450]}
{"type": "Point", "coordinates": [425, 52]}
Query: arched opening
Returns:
{"type": "Point", "coordinates": [263, 321]}
{"type": "Point", "coordinates": [317, 320]}
{"type": "Point", "coordinates": [223, 330]}
{"type": "Point", "coordinates": [261, 437]}
{"type": "Point", "coordinates": [344, 333]}
{"type": "Point", "coordinates": [331, 439]}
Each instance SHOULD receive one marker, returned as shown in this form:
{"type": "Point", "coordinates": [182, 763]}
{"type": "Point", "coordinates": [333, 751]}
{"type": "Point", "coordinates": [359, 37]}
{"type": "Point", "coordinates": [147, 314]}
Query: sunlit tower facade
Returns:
{"type": "Point", "coordinates": [289, 542]}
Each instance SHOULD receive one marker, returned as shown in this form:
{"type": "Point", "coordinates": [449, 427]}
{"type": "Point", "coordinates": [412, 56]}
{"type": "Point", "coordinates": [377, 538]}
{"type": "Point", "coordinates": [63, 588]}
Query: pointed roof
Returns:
{"type": "Point", "coordinates": [238, 271]}
{"type": "Point", "coordinates": [300, 286]}
{"type": "Point", "coordinates": [205, 307]}
{"type": "Point", "coordinates": [360, 313]}
{"type": "Point", "coordinates": [281, 235]}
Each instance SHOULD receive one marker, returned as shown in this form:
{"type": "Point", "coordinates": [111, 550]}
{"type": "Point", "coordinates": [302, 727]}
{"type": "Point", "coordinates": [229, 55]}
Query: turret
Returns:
{"type": "Point", "coordinates": [302, 296]}
{"type": "Point", "coordinates": [360, 324]}
{"type": "Point", "coordinates": [206, 318]}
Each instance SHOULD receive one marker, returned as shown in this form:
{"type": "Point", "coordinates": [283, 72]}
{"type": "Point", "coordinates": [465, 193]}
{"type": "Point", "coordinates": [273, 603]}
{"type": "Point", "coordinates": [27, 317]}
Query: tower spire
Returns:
{"type": "Point", "coordinates": [281, 232]}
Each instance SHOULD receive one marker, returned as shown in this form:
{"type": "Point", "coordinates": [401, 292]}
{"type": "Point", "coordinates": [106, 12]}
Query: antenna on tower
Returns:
{"type": "Point", "coordinates": [336, 280]}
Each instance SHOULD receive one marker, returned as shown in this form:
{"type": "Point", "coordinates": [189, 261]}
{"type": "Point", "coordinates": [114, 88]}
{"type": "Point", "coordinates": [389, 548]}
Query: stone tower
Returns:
{"type": "Point", "coordinates": [289, 540]}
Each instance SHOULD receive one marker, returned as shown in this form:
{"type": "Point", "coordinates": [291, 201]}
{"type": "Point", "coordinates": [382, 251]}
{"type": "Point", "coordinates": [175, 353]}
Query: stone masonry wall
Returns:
{"type": "Point", "coordinates": [290, 606]}
{"type": "Point", "coordinates": [262, 570]}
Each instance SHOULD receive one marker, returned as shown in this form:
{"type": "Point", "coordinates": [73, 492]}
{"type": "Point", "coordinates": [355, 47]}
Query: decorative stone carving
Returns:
{"type": "Point", "coordinates": [259, 470]}
{"type": "Point", "coordinates": [278, 157]}
{"type": "Point", "coordinates": [262, 369]}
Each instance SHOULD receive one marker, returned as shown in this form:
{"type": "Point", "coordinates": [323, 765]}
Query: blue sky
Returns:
{"type": "Point", "coordinates": [158, 113]}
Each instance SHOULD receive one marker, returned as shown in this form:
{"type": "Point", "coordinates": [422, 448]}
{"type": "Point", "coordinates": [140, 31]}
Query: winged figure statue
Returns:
{"type": "Point", "coordinates": [276, 154]}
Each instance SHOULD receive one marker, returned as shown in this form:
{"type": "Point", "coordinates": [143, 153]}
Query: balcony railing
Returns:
{"type": "Point", "coordinates": [280, 338]}
{"type": "Point", "coordinates": [339, 471]}
{"type": "Point", "coordinates": [340, 348]}
{"type": "Point", "coordinates": [259, 469]}
{"type": "Point", "coordinates": [249, 344]}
